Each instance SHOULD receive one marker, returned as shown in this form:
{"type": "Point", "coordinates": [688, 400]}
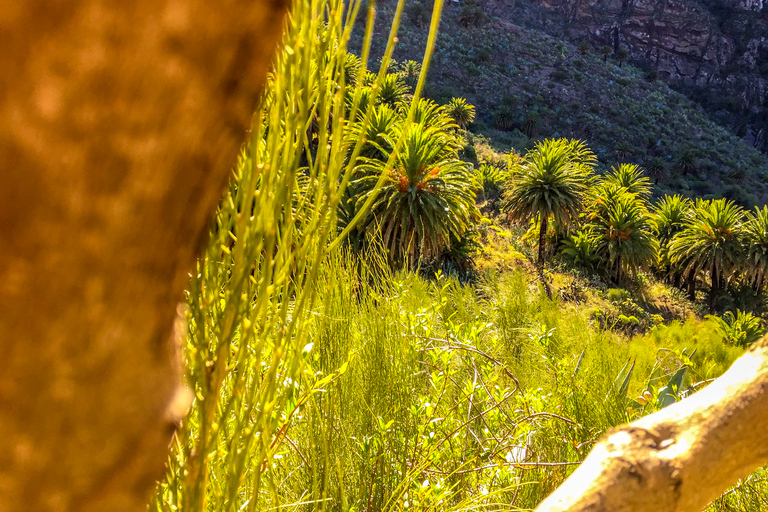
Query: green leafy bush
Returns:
{"type": "Point", "coordinates": [741, 329]}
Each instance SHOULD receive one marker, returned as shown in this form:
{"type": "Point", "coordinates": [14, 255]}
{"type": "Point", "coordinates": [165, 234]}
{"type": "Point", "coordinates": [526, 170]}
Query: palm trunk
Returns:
{"type": "Point", "coordinates": [691, 285]}
{"type": "Point", "coordinates": [713, 290]}
{"type": "Point", "coordinates": [542, 240]}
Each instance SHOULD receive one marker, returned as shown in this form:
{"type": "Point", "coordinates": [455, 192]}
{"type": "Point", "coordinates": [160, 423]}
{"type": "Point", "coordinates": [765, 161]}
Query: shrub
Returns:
{"type": "Point", "coordinates": [503, 119]}
{"type": "Point", "coordinates": [418, 13]}
{"type": "Point", "coordinates": [560, 74]}
{"type": "Point", "coordinates": [471, 14]}
{"type": "Point", "coordinates": [741, 329]}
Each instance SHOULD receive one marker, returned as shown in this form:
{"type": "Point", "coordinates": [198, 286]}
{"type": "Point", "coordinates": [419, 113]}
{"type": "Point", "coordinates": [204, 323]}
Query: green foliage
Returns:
{"type": "Point", "coordinates": [667, 220]}
{"type": "Point", "coordinates": [710, 241]}
{"type": "Point", "coordinates": [460, 111]}
{"type": "Point", "coordinates": [471, 14]}
{"type": "Point", "coordinates": [579, 250]}
{"type": "Point", "coordinates": [410, 71]}
{"type": "Point", "coordinates": [397, 391]}
{"type": "Point", "coordinates": [551, 181]}
{"type": "Point", "coordinates": [741, 329]}
{"type": "Point", "coordinates": [756, 242]}
{"type": "Point", "coordinates": [392, 90]}
{"type": "Point", "coordinates": [620, 225]}
{"type": "Point", "coordinates": [249, 299]}
{"type": "Point", "coordinates": [631, 178]}
{"type": "Point", "coordinates": [427, 198]}
{"type": "Point", "coordinates": [504, 119]}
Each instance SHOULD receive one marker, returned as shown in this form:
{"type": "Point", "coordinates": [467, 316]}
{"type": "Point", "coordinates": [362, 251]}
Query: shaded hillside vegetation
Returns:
{"type": "Point", "coordinates": [528, 85]}
{"type": "Point", "coordinates": [714, 51]}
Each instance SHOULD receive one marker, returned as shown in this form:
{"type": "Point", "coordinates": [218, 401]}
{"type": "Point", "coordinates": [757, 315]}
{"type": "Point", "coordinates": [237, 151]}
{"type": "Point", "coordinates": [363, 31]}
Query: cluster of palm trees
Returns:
{"type": "Point", "coordinates": [608, 224]}
{"type": "Point", "coordinates": [415, 195]}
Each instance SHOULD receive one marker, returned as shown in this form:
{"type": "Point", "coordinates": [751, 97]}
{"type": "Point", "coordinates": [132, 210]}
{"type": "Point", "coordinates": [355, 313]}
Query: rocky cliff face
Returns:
{"type": "Point", "coordinates": [714, 50]}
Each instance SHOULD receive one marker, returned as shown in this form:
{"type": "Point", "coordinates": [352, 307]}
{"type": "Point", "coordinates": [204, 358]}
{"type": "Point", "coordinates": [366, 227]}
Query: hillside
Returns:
{"type": "Point", "coordinates": [527, 83]}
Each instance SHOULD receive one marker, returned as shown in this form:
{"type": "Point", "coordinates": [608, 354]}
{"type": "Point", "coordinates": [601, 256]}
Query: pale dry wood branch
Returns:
{"type": "Point", "coordinates": [682, 457]}
{"type": "Point", "coordinates": [119, 126]}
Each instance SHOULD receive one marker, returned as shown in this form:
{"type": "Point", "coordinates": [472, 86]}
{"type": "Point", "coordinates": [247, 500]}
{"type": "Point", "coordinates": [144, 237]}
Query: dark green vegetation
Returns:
{"type": "Point", "coordinates": [360, 338]}
{"type": "Point", "coordinates": [527, 85]}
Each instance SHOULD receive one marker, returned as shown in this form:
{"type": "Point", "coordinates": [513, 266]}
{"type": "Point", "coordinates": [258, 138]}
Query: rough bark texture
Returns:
{"type": "Point", "coordinates": [119, 124]}
{"type": "Point", "coordinates": [682, 457]}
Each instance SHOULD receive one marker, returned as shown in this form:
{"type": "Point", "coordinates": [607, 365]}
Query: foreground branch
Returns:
{"type": "Point", "coordinates": [682, 457]}
{"type": "Point", "coordinates": [119, 126]}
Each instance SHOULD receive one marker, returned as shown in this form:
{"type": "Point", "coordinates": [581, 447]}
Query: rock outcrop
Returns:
{"type": "Point", "coordinates": [714, 50]}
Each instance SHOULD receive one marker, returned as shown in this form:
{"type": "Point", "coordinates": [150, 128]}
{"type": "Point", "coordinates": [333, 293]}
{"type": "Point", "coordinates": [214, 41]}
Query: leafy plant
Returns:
{"type": "Point", "coordinates": [741, 329]}
{"type": "Point", "coordinates": [631, 178]}
{"type": "Point", "coordinates": [622, 234]}
{"type": "Point", "coordinates": [551, 181]}
{"type": "Point", "coordinates": [426, 198]}
{"type": "Point", "coordinates": [756, 242]}
{"type": "Point", "coordinates": [461, 111]}
{"type": "Point", "coordinates": [410, 71]}
{"type": "Point", "coordinates": [710, 242]}
{"type": "Point", "coordinates": [580, 251]}
{"type": "Point", "coordinates": [392, 90]}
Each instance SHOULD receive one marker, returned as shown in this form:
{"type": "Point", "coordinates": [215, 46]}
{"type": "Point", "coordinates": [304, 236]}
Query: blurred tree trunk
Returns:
{"type": "Point", "coordinates": [120, 125]}
{"type": "Point", "coordinates": [682, 457]}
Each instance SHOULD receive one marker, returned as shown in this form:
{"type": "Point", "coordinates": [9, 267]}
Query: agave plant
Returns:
{"type": "Point", "coordinates": [630, 177]}
{"type": "Point", "coordinates": [552, 180]}
{"type": "Point", "coordinates": [623, 235]}
{"type": "Point", "coordinates": [461, 111]}
{"type": "Point", "coordinates": [427, 198]}
{"type": "Point", "coordinates": [710, 241]}
{"type": "Point", "coordinates": [756, 241]}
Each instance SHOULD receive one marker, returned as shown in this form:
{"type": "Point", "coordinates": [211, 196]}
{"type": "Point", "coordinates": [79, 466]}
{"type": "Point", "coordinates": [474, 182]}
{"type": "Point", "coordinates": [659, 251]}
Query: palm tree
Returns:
{"type": "Point", "coordinates": [352, 64]}
{"type": "Point", "coordinates": [461, 111]}
{"type": "Point", "coordinates": [428, 113]}
{"type": "Point", "coordinates": [756, 241]}
{"type": "Point", "coordinates": [657, 168]}
{"type": "Point", "coordinates": [410, 71]}
{"type": "Point", "coordinates": [710, 241]}
{"type": "Point", "coordinates": [378, 134]}
{"type": "Point", "coordinates": [426, 199]}
{"type": "Point", "coordinates": [393, 90]}
{"type": "Point", "coordinates": [622, 233]}
{"type": "Point", "coordinates": [551, 181]}
{"type": "Point", "coordinates": [668, 219]}
{"type": "Point", "coordinates": [631, 178]}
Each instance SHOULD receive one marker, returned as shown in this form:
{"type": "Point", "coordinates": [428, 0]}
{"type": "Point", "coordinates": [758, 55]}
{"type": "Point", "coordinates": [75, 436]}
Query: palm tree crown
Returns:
{"type": "Point", "coordinates": [756, 241]}
{"type": "Point", "coordinates": [427, 198]}
{"type": "Point", "coordinates": [623, 235]}
{"type": "Point", "coordinates": [461, 111]}
{"type": "Point", "coordinates": [710, 241]}
{"type": "Point", "coordinates": [632, 178]}
{"type": "Point", "coordinates": [551, 181]}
